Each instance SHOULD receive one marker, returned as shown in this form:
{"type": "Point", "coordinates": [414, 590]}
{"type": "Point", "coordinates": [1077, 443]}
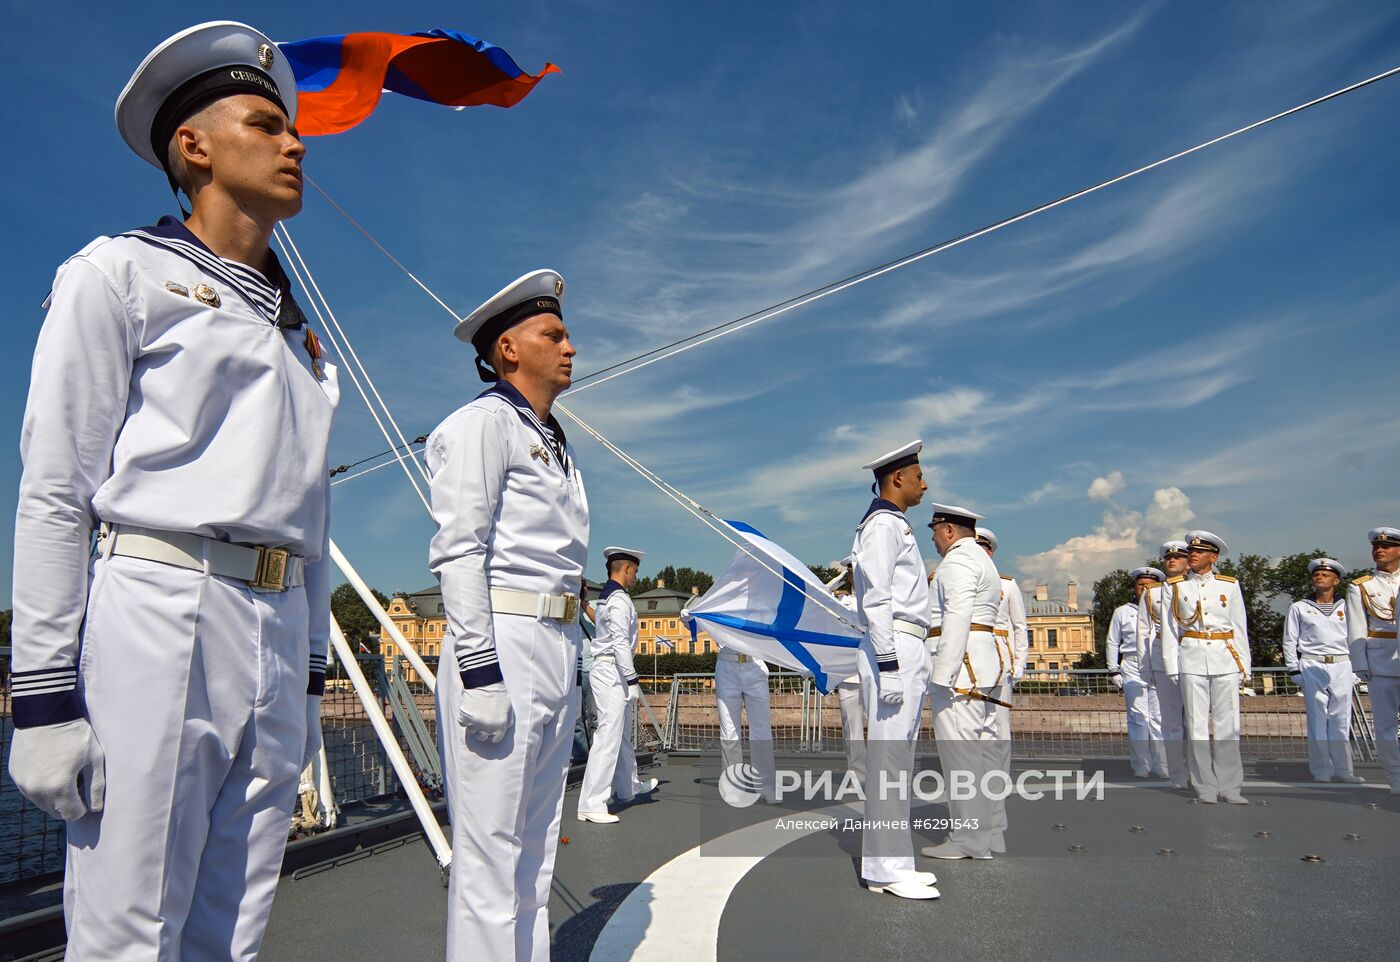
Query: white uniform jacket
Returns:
{"type": "Point", "coordinates": [1371, 627]}
{"type": "Point", "coordinates": [616, 632]}
{"type": "Point", "coordinates": [171, 389]}
{"type": "Point", "coordinates": [1011, 625]}
{"type": "Point", "coordinates": [511, 513]}
{"type": "Point", "coordinates": [1123, 635]}
{"type": "Point", "coordinates": [1149, 636]}
{"type": "Point", "coordinates": [1308, 631]}
{"type": "Point", "coordinates": [890, 581]}
{"type": "Point", "coordinates": [1203, 629]}
{"type": "Point", "coordinates": [967, 593]}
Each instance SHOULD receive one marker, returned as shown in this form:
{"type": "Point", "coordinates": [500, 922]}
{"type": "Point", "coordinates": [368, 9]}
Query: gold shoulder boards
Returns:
{"type": "Point", "coordinates": [1227, 578]}
{"type": "Point", "coordinates": [1007, 578]}
{"type": "Point", "coordinates": [1172, 581]}
{"type": "Point", "coordinates": [1360, 579]}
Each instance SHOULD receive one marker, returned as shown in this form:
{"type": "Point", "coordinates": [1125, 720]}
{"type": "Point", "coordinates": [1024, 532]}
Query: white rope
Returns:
{"type": "Point", "coordinates": [370, 470]}
{"type": "Point", "coordinates": [702, 514]}
{"type": "Point", "coordinates": [308, 284]}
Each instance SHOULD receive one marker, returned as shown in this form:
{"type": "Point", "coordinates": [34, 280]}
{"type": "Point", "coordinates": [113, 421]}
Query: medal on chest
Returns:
{"type": "Point", "coordinates": [539, 451]}
{"type": "Point", "coordinates": [313, 350]}
{"type": "Point", "coordinates": [1222, 601]}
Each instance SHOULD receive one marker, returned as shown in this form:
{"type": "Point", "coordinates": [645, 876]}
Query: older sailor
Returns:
{"type": "Point", "coordinates": [892, 596]}
{"type": "Point", "coordinates": [510, 551]}
{"type": "Point", "coordinates": [1169, 757]}
{"type": "Point", "coordinates": [1375, 651]}
{"type": "Point", "coordinates": [1012, 642]}
{"type": "Point", "coordinates": [1318, 658]}
{"type": "Point", "coordinates": [1129, 673]}
{"type": "Point", "coordinates": [966, 678]}
{"type": "Point", "coordinates": [612, 759]}
{"type": "Point", "coordinates": [1205, 646]}
{"type": "Point", "coordinates": [180, 403]}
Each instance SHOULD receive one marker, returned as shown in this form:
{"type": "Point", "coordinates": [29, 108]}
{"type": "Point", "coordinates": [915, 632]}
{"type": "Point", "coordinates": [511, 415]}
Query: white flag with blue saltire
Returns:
{"type": "Point", "coordinates": [769, 605]}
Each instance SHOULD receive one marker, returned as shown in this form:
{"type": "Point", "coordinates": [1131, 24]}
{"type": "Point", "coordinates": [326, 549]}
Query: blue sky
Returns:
{"type": "Point", "coordinates": [1213, 344]}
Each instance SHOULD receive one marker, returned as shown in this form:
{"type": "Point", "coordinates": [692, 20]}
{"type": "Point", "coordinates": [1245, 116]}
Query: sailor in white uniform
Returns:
{"type": "Point", "coordinates": [1205, 646]}
{"type": "Point", "coordinates": [741, 688]}
{"type": "Point", "coordinates": [179, 404]}
{"type": "Point", "coordinates": [1169, 722]}
{"type": "Point", "coordinates": [1318, 658]}
{"type": "Point", "coordinates": [1013, 643]}
{"type": "Point", "coordinates": [510, 552]}
{"type": "Point", "coordinates": [850, 698]}
{"type": "Point", "coordinates": [892, 595]}
{"type": "Point", "coordinates": [612, 759]}
{"type": "Point", "coordinates": [1131, 674]}
{"type": "Point", "coordinates": [1375, 650]}
{"type": "Point", "coordinates": [967, 676]}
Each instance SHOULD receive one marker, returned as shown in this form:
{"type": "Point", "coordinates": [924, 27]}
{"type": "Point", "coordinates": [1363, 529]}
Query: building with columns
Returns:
{"type": "Point", "coordinates": [1059, 632]}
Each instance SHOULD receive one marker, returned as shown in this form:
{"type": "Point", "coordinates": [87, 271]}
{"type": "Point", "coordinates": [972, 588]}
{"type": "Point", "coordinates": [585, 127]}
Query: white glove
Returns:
{"type": "Point", "coordinates": [1117, 681]}
{"type": "Point", "coordinates": [634, 691]}
{"type": "Point", "coordinates": [59, 768]}
{"type": "Point", "coordinates": [891, 689]}
{"type": "Point", "coordinates": [1174, 679]}
{"type": "Point", "coordinates": [485, 712]}
{"type": "Point", "coordinates": [313, 730]}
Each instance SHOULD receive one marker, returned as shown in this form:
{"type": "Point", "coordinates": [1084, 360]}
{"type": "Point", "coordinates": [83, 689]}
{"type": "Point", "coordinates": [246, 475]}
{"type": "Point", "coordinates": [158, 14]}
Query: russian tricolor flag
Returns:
{"type": "Point", "coordinates": [339, 79]}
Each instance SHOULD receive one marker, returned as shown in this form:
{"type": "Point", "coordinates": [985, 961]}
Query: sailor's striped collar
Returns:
{"type": "Point", "coordinates": [608, 588]}
{"type": "Point", "coordinates": [878, 505]}
{"type": "Point", "coordinates": [551, 433]}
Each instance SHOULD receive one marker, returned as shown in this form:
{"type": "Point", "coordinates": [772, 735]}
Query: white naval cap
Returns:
{"type": "Point", "coordinates": [1170, 548]}
{"type": "Point", "coordinates": [1327, 564]}
{"type": "Point", "coordinates": [1383, 535]}
{"type": "Point", "coordinates": [987, 538]}
{"type": "Point", "coordinates": [900, 457]}
{"type": "Point", "coordinates": [1146, 571]}
{"type": "Point", "coordinates": [538, 292]}
{"type": "Point", "coordinates": [1204, 539]}
{"type": "Point", "coordinates": [953, 514]}
{"type": "Point", "coordinates": [190, 70]}
{"type": "Point", "coordinates": [614, 553]}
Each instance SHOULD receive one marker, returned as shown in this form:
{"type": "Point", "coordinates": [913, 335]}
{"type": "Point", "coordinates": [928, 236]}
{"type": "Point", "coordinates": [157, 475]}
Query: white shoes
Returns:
{"type": "Point", "coordinates": [925, 878]}
{"type": "Point", "coordinates": [907, 890]}
{"type": "Point", "coordinates": [648, 786]}
{"type": "Point", "coordinates": [1349, 779]}
{"type": "Point", "coordinates": [948, 851]}
{"type": "Point", "coordinates": [601, 818]}
{"type": "Point", "coordinates": [1234, 799]}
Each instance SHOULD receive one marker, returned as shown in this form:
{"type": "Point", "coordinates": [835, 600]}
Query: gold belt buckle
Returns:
{"type": "Point", "coordinates": [272, 570]}
{"type": "Point", "coordinates": [743, 659]}
{"type": "Point", "coordinates": [570, 608]}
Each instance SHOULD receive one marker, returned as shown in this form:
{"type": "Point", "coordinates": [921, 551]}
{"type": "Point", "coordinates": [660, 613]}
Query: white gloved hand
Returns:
{"type": "Point", "coordinates": [891, 689]}
{"type": "Point", "coordinates": [485, 712]}
{"type": "Point", "coordinates": [59, 768]}
{"type": "Point", "coordinates": [1174, 679]}
{"type": "Point", "coordinates": [1117, 681]}
{"type": "Point", "coordinates": [313, 730]}
{"type": "Point", "coordinates": [634, 691]}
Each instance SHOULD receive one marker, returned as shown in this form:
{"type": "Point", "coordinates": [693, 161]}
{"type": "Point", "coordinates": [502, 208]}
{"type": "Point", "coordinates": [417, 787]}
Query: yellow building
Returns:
{"type": "Point", "coordinates": [1059, 632]}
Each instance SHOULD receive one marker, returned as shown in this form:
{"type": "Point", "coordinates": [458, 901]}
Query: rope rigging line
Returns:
{"type": "Point", "coordinates": [699, 338]}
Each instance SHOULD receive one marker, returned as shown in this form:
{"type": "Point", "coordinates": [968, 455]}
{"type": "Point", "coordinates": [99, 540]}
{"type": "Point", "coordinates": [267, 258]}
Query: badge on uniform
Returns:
{"type": "Point", "coordinates": [539, 451]}
{"type": "Point", "coordinates": [207, 295]}
{"type": "Point", "coordinates": [313, 348]}
{"type": "Point", "coordinates": [180, 289]}
{"type": "Point", "coordinates": [1222, 601]}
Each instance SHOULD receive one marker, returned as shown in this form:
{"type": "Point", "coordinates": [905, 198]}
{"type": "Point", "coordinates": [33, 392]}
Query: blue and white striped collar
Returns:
{"type": "Point", "coordinates": [608, 588]}
{"type": "Point", "coordinates": [880, 504]}
{"type": "Point", "coordinates": [264, 295]}
{"type": "Point", "coordinates": [551, 433]}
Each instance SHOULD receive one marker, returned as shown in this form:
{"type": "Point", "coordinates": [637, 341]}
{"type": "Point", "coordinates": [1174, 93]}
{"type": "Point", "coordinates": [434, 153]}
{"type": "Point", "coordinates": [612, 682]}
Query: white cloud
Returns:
{"type": "Point", "coordinates": [1104, 488]}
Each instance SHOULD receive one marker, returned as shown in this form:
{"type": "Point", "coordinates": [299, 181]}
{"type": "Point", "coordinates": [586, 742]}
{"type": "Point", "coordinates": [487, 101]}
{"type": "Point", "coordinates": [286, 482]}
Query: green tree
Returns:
{"type": "Point", "coordinates": [825, 574]}
{"type": "Point", "coordinates": [1110, 591]}
{"type": "Point", "coordinates": [6, 617]}
{"type": "Point", "coordinates": [1258, 584]}
{"type": "Point", "coordinates": [677, 579]}
{"type": "Point", "coordinates": [1290, 576]}
{"type": "Point", "coordinates": [354, 618]}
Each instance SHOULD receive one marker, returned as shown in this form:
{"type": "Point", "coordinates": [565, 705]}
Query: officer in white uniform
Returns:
{"type": "Point", "coordinates": [1316, 652]}
{"type": "Point", "coordinates": [741, 687]}
{"type": "Point", "coordinates": [1205, 646]}
{"type": "Point", "coordinates": [1013, 643]}
{"type": "Point", "coordinates": [612, 760]}
{"type": "Point", "coordinates": [892, 595]}
{"type": "Point", "coordinates": [1375, 651]}
{"type": "Point", "coordinates": [1131, 674]}
{"type": "Point", "coordinates": [966, 678]}
{"type": "Point", "coordinates": [180, 404]}
{"type": "Point", "coordinates": [1169, 724]}
{"type": "Point", "coordinates": [510, 551]}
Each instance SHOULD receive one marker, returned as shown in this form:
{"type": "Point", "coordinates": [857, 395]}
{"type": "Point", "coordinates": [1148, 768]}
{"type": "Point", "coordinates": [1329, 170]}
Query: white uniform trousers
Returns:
{"type": "Point", "coordinates": [196, 690]}
{"type": "Point", "coordinates": [612, 758]}
{"type": "Point", "coordinates": [1138, 699]}
{"type": "Point", "coordinates": [505, 800]}
{"type": "Point", "coordinates": [1212, 705]}
{"type": "Point", "coordinates": [887, 853]}
{"type": "Point", "coordinates": [1385, 707]}
{"type": "Point", "coordinates": [743, 686]}
{"type": "Point", "coordinates": [967, 747]}
{"type": "Point", "coordinates": [1001, 719]}
{"type": "Point", "coordinates": [1172, 713]}
{"type": "Point", "coordinates": [1327, 695]}
{"type": "Point", "coordinates": [849, 695]}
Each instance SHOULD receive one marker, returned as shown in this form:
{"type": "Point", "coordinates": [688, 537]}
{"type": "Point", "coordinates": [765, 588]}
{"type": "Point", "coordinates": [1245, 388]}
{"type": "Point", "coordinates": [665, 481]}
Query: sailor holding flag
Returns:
{"type": "Point", "coordinates": [892, 596]}
{"type": "Point", "coordinates": [510, 551]}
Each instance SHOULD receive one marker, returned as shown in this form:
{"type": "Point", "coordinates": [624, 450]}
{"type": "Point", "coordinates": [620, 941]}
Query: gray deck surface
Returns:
{"type": "Point", "coordinates": [1224, 894]}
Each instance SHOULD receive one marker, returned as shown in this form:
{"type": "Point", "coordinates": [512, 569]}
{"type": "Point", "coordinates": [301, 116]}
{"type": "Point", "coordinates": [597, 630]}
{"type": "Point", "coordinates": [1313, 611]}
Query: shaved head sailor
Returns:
{"type": "Point", "coordinates": [892, 595]}
{"type": "Point", "coordinates": [510, 551]}
{"type": "Point", "coordinates": [1124, 653]}
{"type": "Point", "coordinates": [180, 408]}
{"type": "Point", "coordinates": [1375, 651]}
{"type": "Point", "coordinates": [612, 757]}
{"type": "Point", "coordinates": [1316, 652]}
